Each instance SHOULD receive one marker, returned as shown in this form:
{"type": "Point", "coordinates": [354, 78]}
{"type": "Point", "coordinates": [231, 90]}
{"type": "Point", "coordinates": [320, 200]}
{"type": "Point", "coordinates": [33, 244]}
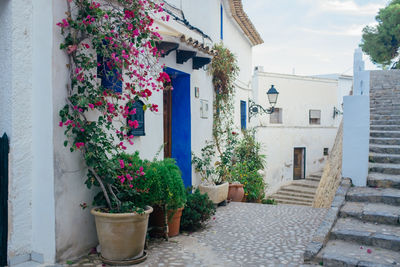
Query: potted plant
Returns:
{"type": "Point", "coordinates": [249, 164]}
{"type": "Point", "coordinates": [212, 184]}
{"type": "Point", "coordinates": [198, 209]}
{"type": "Point", "coordinates": [167, 195]}
{"type": "Point", "coordinates": [122, 229]}
{"type": "Point", "coordinates": [102, 42]}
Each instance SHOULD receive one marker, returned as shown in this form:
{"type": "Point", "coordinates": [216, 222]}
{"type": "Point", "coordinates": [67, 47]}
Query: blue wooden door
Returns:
{"type": "Point", "coordinates": [181, 140]}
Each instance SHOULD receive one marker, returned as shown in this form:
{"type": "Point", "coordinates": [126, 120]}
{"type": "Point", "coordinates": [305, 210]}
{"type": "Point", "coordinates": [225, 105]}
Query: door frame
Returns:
{"type": "Point", "coordinates": [4, 151]}
{"type": "Point", "coordinates": [304, 150]}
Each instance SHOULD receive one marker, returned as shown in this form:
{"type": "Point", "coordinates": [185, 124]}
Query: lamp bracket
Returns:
{"type": "Point", "coordinates": [336, 112]}
{"type": "Point", "coordinates": [255, 109]}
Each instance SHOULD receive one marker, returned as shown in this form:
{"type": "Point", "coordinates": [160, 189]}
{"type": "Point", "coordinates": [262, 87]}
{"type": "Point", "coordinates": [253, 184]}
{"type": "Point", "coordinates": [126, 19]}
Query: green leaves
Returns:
{"type": "Point", "coordinates": [381, 42]}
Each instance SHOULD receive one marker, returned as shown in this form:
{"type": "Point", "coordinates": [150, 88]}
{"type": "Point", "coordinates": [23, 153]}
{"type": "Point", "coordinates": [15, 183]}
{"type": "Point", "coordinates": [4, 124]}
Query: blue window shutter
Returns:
{"type": "Point", "coordinates": [109, 78]}
{"type": "Point", "coordinates": [139, 116]}
{"type": "Point", "coordinates": [222, 23]}
{"type": "Point", "coordinates": [243, 114]}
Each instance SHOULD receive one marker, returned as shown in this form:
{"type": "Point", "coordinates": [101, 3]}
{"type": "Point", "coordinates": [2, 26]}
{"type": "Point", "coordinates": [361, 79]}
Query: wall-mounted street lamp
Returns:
{"type": "Point", "coordinates": [336, 112]}
{"type": "Point", "coordinates": [255, 109]}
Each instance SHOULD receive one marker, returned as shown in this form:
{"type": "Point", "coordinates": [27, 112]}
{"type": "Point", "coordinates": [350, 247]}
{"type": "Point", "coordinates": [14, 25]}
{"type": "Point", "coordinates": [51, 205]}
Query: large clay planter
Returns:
{"type": "Point", "coordinates": [121, 235]}
{"type": "Point", "coordinates": [217, 193]}
{"type": "Point", "coordinates": [236, 192]}
{"type": "Point", "coordinates": [157, 219]}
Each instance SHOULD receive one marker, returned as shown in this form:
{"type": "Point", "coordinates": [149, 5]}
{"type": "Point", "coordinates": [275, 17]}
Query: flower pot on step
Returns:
{"type": "Point", "coordinates": [121, 235]}
{"type": "Point", "coordinates": [236, 192]}
{"type": "Point", "coordinates": [217, 193]}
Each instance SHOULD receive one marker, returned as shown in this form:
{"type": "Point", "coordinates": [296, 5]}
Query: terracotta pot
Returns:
{"type": "Point", "coordinates": [121, 235]}
{"type": "Point", "coordinates": [236, 192]}
{"type": "Point", "coordinates": [174, 221]}
{"type": "Point", "coordinates": [217, 193]}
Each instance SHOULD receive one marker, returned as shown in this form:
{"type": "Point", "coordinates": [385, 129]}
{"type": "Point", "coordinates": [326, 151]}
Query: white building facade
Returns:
{"type": "Point", "coordinates": [46, 182]}
{"type": "Point", "coordinates": [298, 136]}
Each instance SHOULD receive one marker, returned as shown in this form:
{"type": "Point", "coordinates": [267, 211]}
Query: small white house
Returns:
{"type": "Point", "coordinates": [298, 135]}
{"type": "Point", "coordinates": [45, 181]}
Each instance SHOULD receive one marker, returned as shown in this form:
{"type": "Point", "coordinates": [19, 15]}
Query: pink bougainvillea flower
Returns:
{"type": "Point", "coordinates": [133, 124]}
{"type": "Point", "coordinates": [369, 251]}
{"type": "Point", "coordinates": [121, 163]}
{"type": "Point", "coordinates": [60, 124]}
{"type": "Point", "coordinates": [63, 24]}
{"type": "Point", "coordinates": [71, 48]}
{"type": "Point", "coordinates": [79, 145]}
{"type": "Point", "coordinates": [91, 106]}
{"type": "Point", "coordinates": [129, 177]}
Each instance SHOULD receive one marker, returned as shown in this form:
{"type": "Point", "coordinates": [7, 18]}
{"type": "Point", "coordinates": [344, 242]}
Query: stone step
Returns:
{"type": "Point", "coordinates": [385, 141]}
{"type": "Point", "coordinates": [381, 101]}
{"type": "Point", "coordinates": [384, 122]}
{"type": "Point", "coordinates": [291, 202]}
{"type": "Point", "coordinates": [383, 180]}
{"type": "Point", "coordinates": [371, 212]}
{"type": "Point", "coordinates": [294, 194]}
{"type": "Point", "coordinates": [367, 234]}
{"type": "Point", "coordinates": [388, 196]}
{"type": "Point", "coordinates": [385, 127]}
{"type": "Point", "coordinates": [305, 183]}
{"type": "Point", "coordinates": [384, 111]}
{"type": "Point", "coordinates": [298, 189]}
{"type": "Point", "coordinates": [384, 149]}
{"type": "Point", "coordinates": [390, 105]}
{"type": "Point", "coordinates": [292, 198]}
{"type": "Point", "coordinates": [384, 158]}
{"type": "Point", "coordinates": [390, 134]}
{"type": "Point", "coordinates": [342, 253]}
{"type": "Point", "coordinates": [314, 179]}
{"type": "Point", "coordinates": [384, 168]}
{"type": "Point", "coordinates": [383, 91]}
{"type": "Point", "coordinates": [385, 117]}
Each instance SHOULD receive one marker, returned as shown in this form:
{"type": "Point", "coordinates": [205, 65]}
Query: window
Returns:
{"type": "Point", "coordinates": [222, 23]}
{"type": "Point", "coordinates": [326, 151]}
{"type": "Point", "coordinates": [139, 116]}
{"type": "Point", "coordinates": [315, 116]}
{"type": "Point", "coordinates": [243, 114]}
{"type": "Point", "coordinates": [109, 75]}
{"type": "Point", "coordinates": [276, 116]}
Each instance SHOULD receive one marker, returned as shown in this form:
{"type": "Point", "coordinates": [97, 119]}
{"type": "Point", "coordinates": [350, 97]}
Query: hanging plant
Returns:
{"type": "Point", "coordinates": [224, 70]}
{"type": "Point", "coordinates": [116, 42]}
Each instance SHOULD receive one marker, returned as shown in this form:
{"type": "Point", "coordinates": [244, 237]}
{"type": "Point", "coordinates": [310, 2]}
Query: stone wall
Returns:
{"type": "Point", "coordinates": [331, 175]}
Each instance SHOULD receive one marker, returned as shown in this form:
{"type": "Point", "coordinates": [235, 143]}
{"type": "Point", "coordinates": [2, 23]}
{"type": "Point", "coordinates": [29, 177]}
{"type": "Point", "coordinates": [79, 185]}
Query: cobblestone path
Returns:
{"type": "Point", "coordinates": [242, 234]}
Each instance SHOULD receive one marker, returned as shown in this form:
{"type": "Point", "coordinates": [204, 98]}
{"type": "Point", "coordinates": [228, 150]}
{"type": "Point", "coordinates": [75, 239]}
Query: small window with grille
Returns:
{"type": "Point", "coordinates": [276, 116]}
{"type": "Point", "coordinates": [315, 116]}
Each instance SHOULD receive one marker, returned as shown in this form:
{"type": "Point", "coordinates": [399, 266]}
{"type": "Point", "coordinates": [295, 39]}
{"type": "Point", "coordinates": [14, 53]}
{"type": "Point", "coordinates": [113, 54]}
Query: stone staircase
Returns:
{"type": "Point", "coordinates": [298, 192]}
{"type": "Point", "coordinates": [367, 232]}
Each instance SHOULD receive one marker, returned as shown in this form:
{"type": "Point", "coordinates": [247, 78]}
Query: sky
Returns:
{"type": "Point", "coordinates": [310, 37]}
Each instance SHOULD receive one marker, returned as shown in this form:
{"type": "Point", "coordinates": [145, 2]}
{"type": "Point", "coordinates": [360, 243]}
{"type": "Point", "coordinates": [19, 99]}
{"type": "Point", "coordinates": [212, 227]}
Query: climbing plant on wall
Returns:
{"type": "Point", "coordinates": [224, 70]}
{"type": "Point", "coordinates": [113, 62]}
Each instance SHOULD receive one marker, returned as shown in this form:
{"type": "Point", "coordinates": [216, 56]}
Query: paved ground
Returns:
{"type": "Point", "coordinates": [240, 234]}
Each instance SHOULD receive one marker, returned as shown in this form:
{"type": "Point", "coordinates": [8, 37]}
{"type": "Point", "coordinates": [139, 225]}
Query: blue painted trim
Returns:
{"type": "Point", "coordinates": [243, 114]}
{"type": "Point", "coordinates": [181, 123]}
{"type": "Point", "coordinates": [222, 22]}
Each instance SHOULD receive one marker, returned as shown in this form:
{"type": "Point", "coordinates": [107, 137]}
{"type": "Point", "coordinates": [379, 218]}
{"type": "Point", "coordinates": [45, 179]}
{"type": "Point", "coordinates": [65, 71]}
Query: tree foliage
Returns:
{"type": "Point", "coordinates": [381, 42]}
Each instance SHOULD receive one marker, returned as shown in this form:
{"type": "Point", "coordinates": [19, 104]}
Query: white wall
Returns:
{"type": "Point", "coordinates": [297, 95]}
{"type": "Point", "coordinates": [43, 209]}
{"type": "Point", "coordinates": [356, 139]}
{"type": "Point", "coordinates": [25, 110]}
{"type": "Point", "coordinates": [20, 126]}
